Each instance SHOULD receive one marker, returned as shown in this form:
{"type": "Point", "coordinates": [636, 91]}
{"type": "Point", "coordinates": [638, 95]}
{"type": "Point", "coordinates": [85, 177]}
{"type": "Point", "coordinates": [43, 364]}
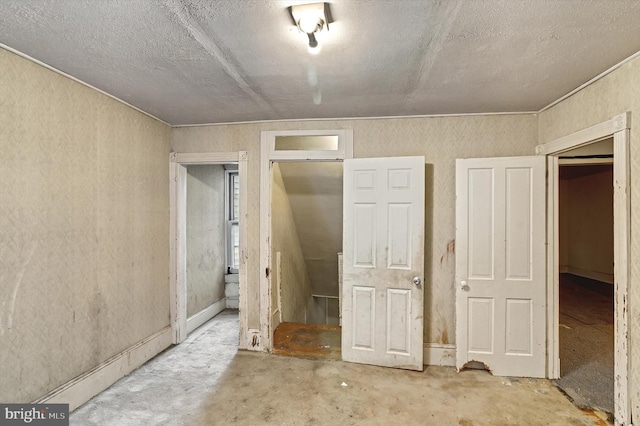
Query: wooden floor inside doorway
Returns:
{"type": "Point", "coordinates": [312, 341]}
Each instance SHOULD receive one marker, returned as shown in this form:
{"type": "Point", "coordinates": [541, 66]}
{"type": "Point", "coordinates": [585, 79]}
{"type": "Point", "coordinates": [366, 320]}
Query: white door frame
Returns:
{"type": "Point", "coordinates": [617, 127]}
{"type": "Point", "coordinates": [178, 242]}
{"type": "Point", "coordinates": [268, 155]}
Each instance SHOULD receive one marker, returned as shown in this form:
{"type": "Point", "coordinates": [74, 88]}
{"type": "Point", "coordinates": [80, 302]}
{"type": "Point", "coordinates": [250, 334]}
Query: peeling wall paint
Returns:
{"type": "Point", "coordinates": [16, 288]}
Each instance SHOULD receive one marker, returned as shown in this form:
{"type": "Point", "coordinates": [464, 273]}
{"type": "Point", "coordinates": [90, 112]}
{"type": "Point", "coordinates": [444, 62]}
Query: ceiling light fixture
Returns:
{"type": "Point", "coordinates": [311, 19]}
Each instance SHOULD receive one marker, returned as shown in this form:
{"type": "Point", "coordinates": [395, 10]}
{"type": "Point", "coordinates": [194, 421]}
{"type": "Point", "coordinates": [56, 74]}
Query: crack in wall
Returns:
{"type": "Point", "coordinates": [16, 288]}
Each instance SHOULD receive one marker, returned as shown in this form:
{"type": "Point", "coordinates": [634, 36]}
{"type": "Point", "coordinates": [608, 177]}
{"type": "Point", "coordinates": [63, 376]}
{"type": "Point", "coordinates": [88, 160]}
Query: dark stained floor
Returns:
{"type": "Point", "coordinates": [586, 342]}
{"type": "Point", "coordinates": [307, 341]}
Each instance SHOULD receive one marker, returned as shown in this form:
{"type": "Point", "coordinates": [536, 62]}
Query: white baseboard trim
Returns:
{"type": "Point", "coordinates": [233, 302]}
{"type": "Point", "coordinates": [252, 341]}
{"type": "Point", "coordinates": [594, 275]}
{"type": "Point", "coordinates": [84, 387]}
{"type": "Point", "coordinates": [275, 319]}
{"type": "Point", "coordinates": [439, 354]}
{"type": "Point", "coordinates": [205, 315]}
{"type": "Point", "coordinates": [232, 278]}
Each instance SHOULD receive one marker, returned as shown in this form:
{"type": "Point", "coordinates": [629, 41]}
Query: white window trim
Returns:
{"type": "Point", "coordinates": [228, 208]}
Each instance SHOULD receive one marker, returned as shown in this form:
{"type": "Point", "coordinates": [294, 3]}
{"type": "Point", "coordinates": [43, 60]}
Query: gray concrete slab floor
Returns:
{"type": "Point", "coordinates": [205, 381]}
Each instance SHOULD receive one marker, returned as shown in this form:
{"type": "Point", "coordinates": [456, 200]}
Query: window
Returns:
{"type": "Point", "coordinates": [233, 228]}
{"type": "Point", "coordinates": [307, 143]}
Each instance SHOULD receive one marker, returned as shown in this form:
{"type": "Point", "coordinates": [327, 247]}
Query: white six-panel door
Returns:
{"type": "Point", "coordinates": [500, 264]}
{"type": "Point", "coordinates": [383, 263]}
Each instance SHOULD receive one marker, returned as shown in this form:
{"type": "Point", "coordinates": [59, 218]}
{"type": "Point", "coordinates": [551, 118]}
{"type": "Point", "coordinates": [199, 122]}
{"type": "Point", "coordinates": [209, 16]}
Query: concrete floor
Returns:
{"type": "Point", "coordinates": [586, 342]}
{"type": "Point", "coordinates": [169, 389]}
{"type": "Point", "coordinates": [205, 381]}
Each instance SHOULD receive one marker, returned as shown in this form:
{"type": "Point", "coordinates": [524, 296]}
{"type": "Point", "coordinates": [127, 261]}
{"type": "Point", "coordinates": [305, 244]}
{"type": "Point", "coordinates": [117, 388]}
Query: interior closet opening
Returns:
{"type": "Point", "coordinates": [306, 246]}
{"type": "Point", "coordinates": [586, 282]}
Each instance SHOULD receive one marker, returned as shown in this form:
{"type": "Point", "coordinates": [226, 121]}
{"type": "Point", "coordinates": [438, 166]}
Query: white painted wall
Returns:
{"type": "Point", "coordinates": [586, 218]}
{"type": "Point", "coordinates": [232, 290]}
{"type": "Point", "coordinates": [206, 262]}
{"type": "Point", "coordinates": [295, 287]}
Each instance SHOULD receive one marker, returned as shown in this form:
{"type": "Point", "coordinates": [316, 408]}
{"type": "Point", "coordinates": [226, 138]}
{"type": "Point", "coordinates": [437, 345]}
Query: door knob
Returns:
{"type": "Point", "coordinates": [463, 285]}
{"type": "Point", "coordinates": [417, 281]}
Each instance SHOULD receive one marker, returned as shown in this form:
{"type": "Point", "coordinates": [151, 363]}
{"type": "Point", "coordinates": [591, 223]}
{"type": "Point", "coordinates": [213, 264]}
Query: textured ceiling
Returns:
{"type": "Point", "coordinates": [209, 61]}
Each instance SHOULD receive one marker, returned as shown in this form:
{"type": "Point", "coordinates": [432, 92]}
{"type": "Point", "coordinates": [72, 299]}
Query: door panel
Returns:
{"type": "Point", "coordinates": [364, 304]}
{"type": "Point", "coordinates": [383, 251]}
{"type": "Point", "coordinates": [364, 240]}
{"type": "Point", "coordinates": [481, 325]}
{"type": "Point", "coordinates": [501, 264]}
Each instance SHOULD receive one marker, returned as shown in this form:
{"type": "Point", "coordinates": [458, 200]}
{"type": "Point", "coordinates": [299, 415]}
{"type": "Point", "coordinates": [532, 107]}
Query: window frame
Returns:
{"type": "Point", "coordinates": [232, 263]}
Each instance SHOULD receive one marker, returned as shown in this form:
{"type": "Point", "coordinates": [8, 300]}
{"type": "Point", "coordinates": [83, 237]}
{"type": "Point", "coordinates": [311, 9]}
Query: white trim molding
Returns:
{"type": "Point", "coordinates": [439, 354]}
{"type": "Point", "coordinates": [77, 80]}
{"type": "Point", "coordinates": [618, 128]}
{"type": "Point", "coordinates": [84, 387]}
{"type": "Point", "coordinates": [302, 120]}
{"type": "Point", "coordinates": [196, 320]}
{"type": "Point", "coordinates": [340, 119]}
{"type": "Point", "coordinates": [621, 273]}
{"type": "Point", "coordinates": [604, 277]}
{"type": "Point", "coordinates": [268, 154]}
{"type": "Point", "coordinates": [177, 238]}
{"type": "Point", "coordinates": [586, 136]}
{"type": "Point", "coordinates": [590, 82]}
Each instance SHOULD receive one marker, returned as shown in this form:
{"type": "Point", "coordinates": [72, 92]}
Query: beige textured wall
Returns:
{"type": "Point", "coordinates": [586, 210]}
{"type": "Point", "coordinates": [206, 227]}
{"type": "Point", "coordinates": [295, 287]}
{"type": "Point", "coordinates": [441, 140]}
{"type": "Point", "coordinates": [84, 228]}
{"type": "Point", "coordinates": [616, 93]}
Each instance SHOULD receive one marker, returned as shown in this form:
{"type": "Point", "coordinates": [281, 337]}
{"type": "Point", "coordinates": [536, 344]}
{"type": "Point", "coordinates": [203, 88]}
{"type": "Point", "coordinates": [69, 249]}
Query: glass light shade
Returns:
{"type": "Point", "coordinates": [309, 24]}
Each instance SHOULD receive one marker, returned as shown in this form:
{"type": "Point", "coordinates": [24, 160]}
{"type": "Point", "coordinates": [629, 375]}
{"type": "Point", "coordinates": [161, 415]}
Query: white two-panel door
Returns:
{"type": "Point", "coordinates": [501, 264]}
{"type": "Point", "coordinates": [383, 263]}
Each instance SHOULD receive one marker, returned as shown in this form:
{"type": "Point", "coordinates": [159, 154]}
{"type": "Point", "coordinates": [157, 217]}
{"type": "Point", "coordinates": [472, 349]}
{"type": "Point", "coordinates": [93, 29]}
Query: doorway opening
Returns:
{"type": "Point", "coordinates": [586, 278]}
{"type": "Point", "coordinates": [306, 245]}
{"type": "Point", "coordinates": [208, 260]}
{"type": "Point", "coordinates": [617, 128]}
{"type": "Point", "coordinates": [212, 242]}
{"type": "Point", "coordinates": [278, 147]}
